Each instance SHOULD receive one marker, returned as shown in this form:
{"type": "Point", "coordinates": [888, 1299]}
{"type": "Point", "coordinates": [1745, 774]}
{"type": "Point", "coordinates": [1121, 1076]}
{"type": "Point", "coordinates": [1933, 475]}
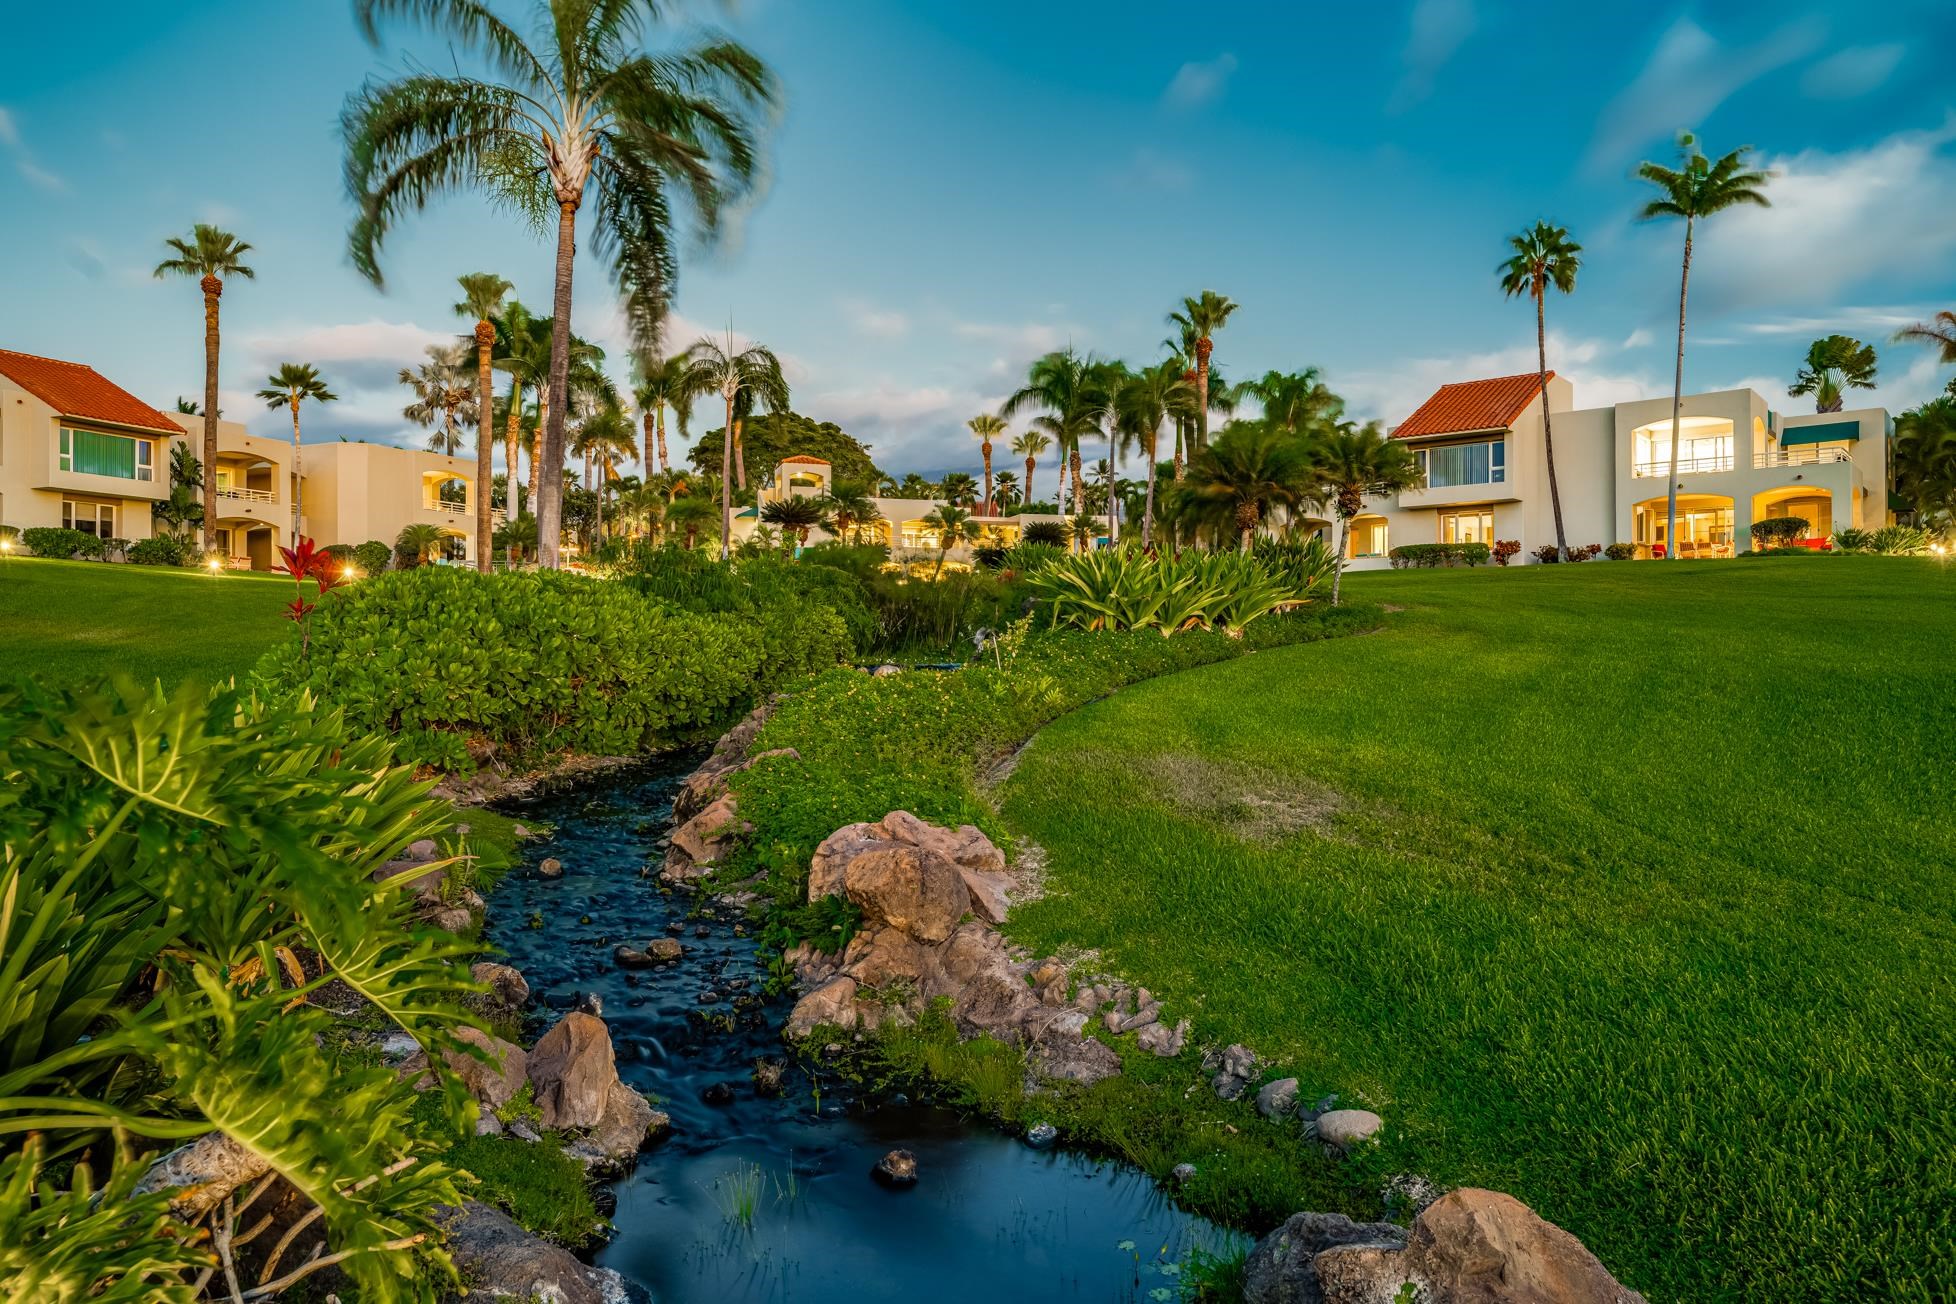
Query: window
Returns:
{"type": "Point", "coordinates": [95, 452]}
{"type": "Point", "coordinates": [1461, 464]}
{"type": "Point", "coordinates": [1705, 445]}
{"type": "Point", "coordinates": [1368, 537]}
{"type": "Point", "coordinates": [1467, 527]}
{"type": "Point", "coordinates": [97, 519]}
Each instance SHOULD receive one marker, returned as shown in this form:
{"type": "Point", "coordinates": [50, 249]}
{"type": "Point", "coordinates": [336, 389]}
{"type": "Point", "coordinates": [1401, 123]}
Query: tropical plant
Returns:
{"type": "Point", "coordinates": [716, 368]}
{"type": "Point", "coordinates": [1296, 400]}
{"type": "Point", "coordinates": [1351, 461]}
{"type": "Point", "coordinates": [1695, 191]}
{"type": "Point", "coordinates": [1031, 445]}
{"type": "Point", "coordinates": [958, 489]}
{"type": "Point", "coordinates": [443, 393]}
{"type": "Point", "coordinates": [1544, 258]}
{"type": "Point", "coordinates": [482, 298]}
{"type": "Point", "coordinates": [1199, 319]}
{"type": "Point", "coordinates": [1114, 589]}
{"type": "Point", "coordinates": [1062, 383]}
{"type": "Point", "coordinates": [517, 538]}
{"type": "Point", "coordinates": [523, 353]}
{"type": "Point", "coordinates": [795, 516]}
{"type": "Point", "coordinates": [416, 543]}
{"type": "Point", "coordinates": [183, 506]}
{"type": "Point", "coordinates": [660, 384]}
{"type": "Point", "coordinates": [986, 427]}
{"type": "Point", "coordinates": [952, 525]}
{"type": "Point", "coordinates": [1899, 541]}
{"type": "Point", "coordinates": [1253, 469]}
{"type": "Point", "coordinates": [143, 1007]}
{"type": "Point", "coordinates": [1148, 398]}
{"type": "Point", "coordinates": [1923, 457]}
{"type": "Point", "coordinates": [1005, 491]}
{"type": "Point", "coordinates": [688, 515]}
{"type": "Point", "coordinates": [290, 385]}
{"type": "Point", "coordinates": [1047, 534]}
{"type": "Point", "coordinates": [1939, 332]}
{"type": "Point", "coordinates": [1834, 364]}
{"type": "Point", "coordinates": [209, 255]}
{"type": "Point", "coordinates": [583, 112]}
{"type": "Point", "coordinates": [851, 506]}
{"type": "Point", "coordinates": [602, 439]}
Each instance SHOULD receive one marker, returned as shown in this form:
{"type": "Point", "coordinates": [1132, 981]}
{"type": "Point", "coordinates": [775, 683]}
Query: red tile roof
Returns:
{"type": "Point", "coordinates": [805, 459]}
{"type": "Point", "coordinates": [74, 390]}
{"type": "Point", "coordinates": [1473, 405]}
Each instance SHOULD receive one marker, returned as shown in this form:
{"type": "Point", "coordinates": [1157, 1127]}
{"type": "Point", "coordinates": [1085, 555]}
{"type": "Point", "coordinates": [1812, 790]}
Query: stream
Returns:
{"type": "Point", "coordinates": [770, 1197]}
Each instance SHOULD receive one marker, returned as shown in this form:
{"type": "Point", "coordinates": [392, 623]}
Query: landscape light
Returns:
{"type": "Point", "coordinates": [213, 564]}
{"type": "Point", "coordinates": [7, 544]}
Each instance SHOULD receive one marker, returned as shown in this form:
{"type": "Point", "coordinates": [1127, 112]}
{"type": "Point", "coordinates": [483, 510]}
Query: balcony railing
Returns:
{"type": "Point", "coordinates": [1812, 455]}
{"type": "Point", "coordinates": [1662, 465]}
{"type": "Point", "coordinates": [252, 495]}
{"type": "Point", "coordinates": [453, 509]}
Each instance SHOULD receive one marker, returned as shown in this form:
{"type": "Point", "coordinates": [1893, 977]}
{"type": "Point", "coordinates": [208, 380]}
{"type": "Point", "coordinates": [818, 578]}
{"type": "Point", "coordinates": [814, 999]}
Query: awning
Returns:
{"type": "Point", "coordinates": [1826, 433]}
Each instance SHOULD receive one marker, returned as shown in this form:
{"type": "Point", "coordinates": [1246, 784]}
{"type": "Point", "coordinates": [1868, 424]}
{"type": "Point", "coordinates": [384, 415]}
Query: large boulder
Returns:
{"type": "Point", "coordinates": [1282, 1269]}
{"type": "Point", "coordinates": [908, 889]}
{"type": "Point", "coordinates": [625, 1127]}
{"type": "Point", "coordinates": [494, 1074]}
{"type": "Point", "coordinates": [499, 1260]}
{"type": "Point", "coordinates": [833, 1003]}
{"type": "Point", "coordinates": [572, 1069]}
{"type": "Point", "coordinates": [506, 983]}
{"type": "Point", "coordinates": [702, 841]}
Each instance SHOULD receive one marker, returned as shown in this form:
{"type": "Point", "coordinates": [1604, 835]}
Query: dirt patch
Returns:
{"type": "Point", "coordinates": [1255, 804]}
{"type": "Point", "coordinates": [1390, 606]}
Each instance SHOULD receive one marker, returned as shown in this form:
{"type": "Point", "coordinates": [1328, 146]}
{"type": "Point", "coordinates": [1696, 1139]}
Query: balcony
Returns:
{"type": "Point", "coordinates": [1808, 455]}
{"type": "Point", "coordinates": [1459, 495]}
{"type": "Point", "coordinates": [447, 508]}
{"type": "Point", "coordinates": [1692, 465]}
{"type": "Point", "coordinates": [249, 495]}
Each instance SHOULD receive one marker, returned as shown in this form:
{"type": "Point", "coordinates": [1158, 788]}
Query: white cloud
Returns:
{"type": "Point", "coordinates": [868, 319]}
{"type": "Point", "coordinates": [1390, 394]}
{"type": "Point", "coordinates": [1875, 323]}
{"type": "Point", "coordinates": [9, 130]}
{"type": "Point", "coordinates": [31, 172]}
{"type": "Point", "coordinates": [1149, 169]}
{"type": "Point", "coordinates": [1197, 84]}
{"type": "Point", "coordinates": [1853, 71]}
{"type": "Point", "coordinates": [1837, 221]}
{"type": "Point", "coordinates": [1637, 339]}
{"type": "Point", "coordinates": [1021, 342]}
{"type": "Point", "coordinates": [1435, 32]}
{"type": "Point", "coordinates": [365, 352]}
{"type": "Point", "coordinates": [1689, 74]}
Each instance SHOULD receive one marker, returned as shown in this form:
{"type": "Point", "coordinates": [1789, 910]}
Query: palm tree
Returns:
{"type": "Point", "coordinates": [1924, 459]}
{"type": "Point", "coordinates": [1106, 382]}
{"type": "Point", "coordinates": [1939, 332]}
{"type": "Point", "coordinates": [795, 516]}
{"type": "Point", "coordinates": [292, 384]}
{"type": "Point", "coordinates": [952, 525]}
{"type": "Point", "coordinates": [688, 515]}
{"type": "Point", "coordinates": [1253, 468]}
{"type": "Point", "coordinates": [1150, 397]}
{"type": "Point", "coordinates": [958, 489]}
{"type": "Point", "coordinates": [1351, 461]}
{"type": "Point", "coordinates": [523, 353]}
{"type": "Point", "coordinates": [582, 113]}
{"type": "Point", "coordinates": [416, 543]}
{"type": "Point", "coordinates": [1544, 256]}
{"type": "Point", "coordinates": [712, 368]}
{"type": "Point", "coordinates": [661, 384]}
{"type": "Point", "coordinates": [1200, 318]}
{"type": "Point", "coordinates": [986, 426]}
{"type": "Point", "coordinates": [1834, 364]}
{"type": "Point", "coordinates": [1295, 400]}
{"type": "Point", "coordinates": [209, 255]}
{"type": "Point", "coordinates": [1005, 492]}
{"type": "Point", "coordinates": [1031, 445]}
{"type": "Point", "coordinates": [442, 392]}
{"type": "Point", "coordinates": [515, 536]}
{"type": "Point", "coordinates": [1697, 189]}
{"type": "Point", "coordinates": [1062, 384]}
{"type": "Point", "coordinates": [482, 298]}
{"type": "Point", "coordinates": [850, 505]}
{"type": "Point", "coordinates": [601, 439]}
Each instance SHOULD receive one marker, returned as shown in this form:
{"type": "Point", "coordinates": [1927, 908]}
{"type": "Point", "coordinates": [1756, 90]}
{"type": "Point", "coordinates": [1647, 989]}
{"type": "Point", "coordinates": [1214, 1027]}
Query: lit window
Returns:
{"type": "Point", "coordinates": [1467, 527]}
{"type": "Point", "coordinates": [1452, 465]}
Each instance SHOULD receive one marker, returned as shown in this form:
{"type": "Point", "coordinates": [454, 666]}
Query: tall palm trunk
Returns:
{"type": "Point", "coordinates": [485, 447]}
{"type": "Point", "coordinates": [213, 289]}
{"type": "Point", "coordinates": [512, 435]}
{"type": "Point", "coordinates": [536, 452]}
{"type": "Point", "coordinates": [991, 509]}
{"type": "Point", "coordinates": [1203, 348]}
{"type": "Point", "coordinates": [1079, 482]}
{"type": "Point", "coordinates": [1148, 504]}
{"type": "Point", "coordinates": [298, 481]}
{"type": "Point", "coordinates": [550, 484]}
{"type": "Point", "coordinates": [601, 485]}
{"type": "Point", "coordinates": [1180, 426]}
{"type": "Point", "coordinates": [1113, 504]}
{"type": "Point", "coordinates": [1031, 464]}
{"type": "Point", "coordinates": [1338, 562]}
{"type": "Point", "coordinates": [1671, 549]}
{"type": "Point", "coordinates": [648, 445]}
{"type": "Point", "coordinates": [665, 464]}
{"type": "Point", "coordinates": [740, 452]}
{"type": "Point", "coordinates": [1548, 436]}
{"type": "Point", "coordinates": [726, 483]}
{"type": "Point", "coordinates": [1059, 497]}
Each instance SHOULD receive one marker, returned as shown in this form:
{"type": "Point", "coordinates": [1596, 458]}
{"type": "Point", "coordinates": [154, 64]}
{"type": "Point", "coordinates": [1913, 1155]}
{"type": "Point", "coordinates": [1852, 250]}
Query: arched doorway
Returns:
{"type": "Point", "coordinates": [1705, 527]}
{"type": "Point", "coordinates": [1811, 504]}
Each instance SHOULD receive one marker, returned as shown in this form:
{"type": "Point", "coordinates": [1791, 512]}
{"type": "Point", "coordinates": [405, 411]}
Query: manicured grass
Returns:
{"type": "Point", "coordinates": [1626, 888]}
{"type": "Point", "coordinates": [74, 622]}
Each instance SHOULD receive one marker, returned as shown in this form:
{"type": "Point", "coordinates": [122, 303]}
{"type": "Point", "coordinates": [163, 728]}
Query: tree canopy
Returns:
{"type": "Point", "coordinates": [770, 436]}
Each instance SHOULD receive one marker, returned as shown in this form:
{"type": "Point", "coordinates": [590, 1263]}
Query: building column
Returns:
{"type": "Point", "coordinates": [1741, 523]}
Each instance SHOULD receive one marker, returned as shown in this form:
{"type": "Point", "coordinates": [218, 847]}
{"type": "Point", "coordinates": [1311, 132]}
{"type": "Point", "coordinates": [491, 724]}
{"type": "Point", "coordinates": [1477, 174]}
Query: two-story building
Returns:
{"type": "Point", "coordinates": [1482, 447]}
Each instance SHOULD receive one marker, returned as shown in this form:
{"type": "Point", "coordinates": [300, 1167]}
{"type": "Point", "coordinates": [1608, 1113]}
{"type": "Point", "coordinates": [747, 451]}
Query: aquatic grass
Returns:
{"type": "Point", "coordinates": [738, 1194]}
{"type": "Point", "coordinates": [1636, 902]}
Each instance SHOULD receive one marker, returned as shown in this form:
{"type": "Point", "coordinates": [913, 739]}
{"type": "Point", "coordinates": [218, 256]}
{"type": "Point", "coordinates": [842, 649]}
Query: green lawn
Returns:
{"type": "Point", "coordinates": [73, 622]}
{"type": "Point", "coordinates": [1629, 889]}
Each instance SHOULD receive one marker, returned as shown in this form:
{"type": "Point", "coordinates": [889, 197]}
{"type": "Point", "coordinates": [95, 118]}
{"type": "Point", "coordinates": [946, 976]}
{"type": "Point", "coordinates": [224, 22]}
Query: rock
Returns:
{"type": "Point", "coordinates": [908, 889]}
{"type": "Point", "coordinates": [453, 919]}
{"type": "Point", "coordinates": [718, 1093]}
{"type": "Point", "coordinates": [1345, 1128]}
{"type": "Point", "coordinates": [1408, 1194]}
{"type": "Point", "coordinates": [1183, 1174]}
{"type": "Point", "coordinates": [987, 893]}
{"type": "Point", "coordinates": [1047, 973]}
{"type": "Point", "coordinates": [1238, 1063]}
{"type": "Point", "coordinates": [523, 1131]}
{"type": "Point", "coordinates": [494, 1080]}
{"type": "Point", "coordinates": [626, 1125]}
{"type": "Point", "coordinates": [488, 1125]}
{"type": "Point", "coordinates": [767, 1076]}
{"type": "Point", "coordinates": [1283, 1268]}
{"type": "Point", "coordinates": [1473, 1247]}
{"type": "Point", "coordinates": [885, 670]}
{"type": "Point", "coordinates": [898, 1168]}
{"type": "Point", "coordinates": [521, 831]}
{"type": "Point", "coordinates": [572, 1070]}
{"type": "Point", "coordinates": [874, 958]}
{"type": "Point", "coordinates": [665, 950]}
{"type": "Point", "coordinates": [423, 849]}
{"type": "Point", "coordinates": [1159, 1039]}
{"type": "Point", "coordinates": [201, 1173]}
{"type": "Point", "coordinates": [1074, 1059]}
{"type": "Point", "coordinates": [706, 837]}
{"type": "Point", "coordinates": [1278, 1098]}
{"type": "Point", "coordinates": [550, 867]}
{"type": "Point", "coordinates": [1040, 1136]}
{"type": "Point", "coordinates": [1141, 1018]}
{"type": "Point", "coordinates": [500, 1260]}
{"type": "Point", "coordinates": [831, 1004]}
{"type": "Point", "coordinates": [505, 983]}
{"type": "Point", "coordinates": [827, 867]}
{"type": "Point", "coordinates": [626, 958]}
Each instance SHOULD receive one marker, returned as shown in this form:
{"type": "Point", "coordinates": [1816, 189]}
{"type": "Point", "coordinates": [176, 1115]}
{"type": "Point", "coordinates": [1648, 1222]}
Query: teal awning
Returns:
{"type": "Point", "coordinates": [1826, 433]}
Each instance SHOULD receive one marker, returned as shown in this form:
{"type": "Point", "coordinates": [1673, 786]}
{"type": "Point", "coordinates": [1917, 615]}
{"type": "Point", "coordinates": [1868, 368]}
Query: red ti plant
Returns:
{"type": "Point", "coordinates": [306, 563]}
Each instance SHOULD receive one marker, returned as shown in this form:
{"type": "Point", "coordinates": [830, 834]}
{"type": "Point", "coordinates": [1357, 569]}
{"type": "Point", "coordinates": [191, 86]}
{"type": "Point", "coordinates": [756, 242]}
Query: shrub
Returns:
{"type": "Point", "coordinates": [1504, 549]}
{"type": "Point", "coordinates": [55, 541]}
{"type": "Point", "coordinates": [988, 556]}
{"type": "Point", "coordinates": [1305, 564]}
{"type": "Point", "coordinates": [539, 662]}
{"type": "Point", "coordinates": [771, 589]}
{"type": "Point", "coordinates": [1785, 550]}
{"type": "Point", "coordinates": [1620, 551]}
{"type": "Point", "coordinates": [372, 556]}
{"type": "Point", "coordinates": [1776, 531]}
{"type": "Point", "coordinates": [1439, 554]}
{"type": "Point", "coordinates": [1030, 556]}
{"type": "Point", "coordinates": [1113, 589]}
{"type": "Point", "coordinates": [1548, 554]}
{"type": "Point", "coordinates": [160, 550]}
{"type": "Point", "coordinates": [1899, 541]}
{"type": "Point", "coordinates": [1852, 540]}
{"type": "Point", "coordinates": [1053, 534]}
{"type": "Point", "coordinates": [1588, 552]}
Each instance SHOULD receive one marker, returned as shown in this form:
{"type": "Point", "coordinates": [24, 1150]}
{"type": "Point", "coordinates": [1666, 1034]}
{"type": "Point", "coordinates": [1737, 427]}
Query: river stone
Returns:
{"type": "Point", "coordinates": [1472, 1247]}
{"type": "Point", "coordinates": [1345, 1128]}
{"type": "Point", "coordinates": [665, 950]}
{"type": "Point", "coordinates": [626, 958]}
{"type": "Point", "coordinates": [874, 958]}
{"type": "Point", "coordinates": [1276, 1099]}
{"type": "Point", "coordinates": [571, 1070]}
{"type": "Point", "coordinates": [1161, 1040]}
{"type": "Point", "coordinates": [1040, 1136]}
{"type": "Point", "coordinates": [628, 1123]}
{"type": "Point", "coordinates": [550, 867]}
{"type": "Point", "coordinates": [1183, 1174]}
{"type": "Point", "coordinates": [500, 1260]}
{"type": "Point", "coordinates": [908, 888]}
{"type": "Point", "coordinates": [493, 1081]}
{"type": "Point", "coordinates": [833, 1003]}
{"type": "Point", "coordinates": [1283, 1268]}
{"type": "Point", "coordinates": [897, 1168]}
{"type": "Point", "coordinates": [505, 983]}
{"type": "Point", "coordinates": [707, 836]}
{"type": "Point", "coordinates": [1064, 1058]}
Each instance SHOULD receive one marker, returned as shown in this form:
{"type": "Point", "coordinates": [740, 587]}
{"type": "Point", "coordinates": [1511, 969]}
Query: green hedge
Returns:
{"type": "Point", "coordinates": [161, 550]}
{"type": "Point", "coordinates": [538, 662]}
{"type": "Point", "coordinates": [869, 745]}
{"type": "Point", "coordinates": [56, 541]}
{"type": "Point", "coordinates": [1439, 554]}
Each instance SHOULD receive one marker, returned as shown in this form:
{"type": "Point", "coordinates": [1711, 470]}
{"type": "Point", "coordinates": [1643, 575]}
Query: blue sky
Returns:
{"type": "Point", "coordinates": [956, 187]}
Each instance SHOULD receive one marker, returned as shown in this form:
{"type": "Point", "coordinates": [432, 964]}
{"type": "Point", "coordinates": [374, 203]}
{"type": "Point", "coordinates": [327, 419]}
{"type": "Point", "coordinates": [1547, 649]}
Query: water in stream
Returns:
{"type": "Point", "coordinates": [990, 1218]}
